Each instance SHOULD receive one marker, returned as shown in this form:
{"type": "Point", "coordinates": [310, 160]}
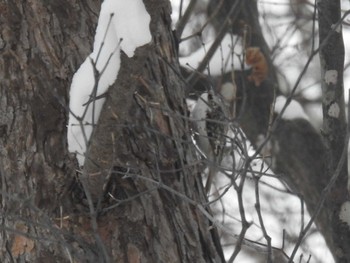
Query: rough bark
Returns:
{"type": "Point", "coordinates": [334, 124]}
{"type": "Point", "coordinates": [141, 140]}
{"type": "Point", "coordinates": [141, 130]}
{"type": "Point", "coordinates": [42, 43]}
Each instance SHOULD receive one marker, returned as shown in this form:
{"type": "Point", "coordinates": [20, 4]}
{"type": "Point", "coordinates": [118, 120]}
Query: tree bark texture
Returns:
{"type": "Point", "coordinates": [334, 125]}
{"type": "Point", "coordinates": [141, 141]}
{"type": "Point", "coordinates": [41, 46]}
{"type": "Point", "coordinates": [142, 130]}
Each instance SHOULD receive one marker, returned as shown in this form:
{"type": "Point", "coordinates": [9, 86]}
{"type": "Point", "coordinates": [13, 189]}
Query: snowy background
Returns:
{"type": "Point", "coordinates": [289, 40]}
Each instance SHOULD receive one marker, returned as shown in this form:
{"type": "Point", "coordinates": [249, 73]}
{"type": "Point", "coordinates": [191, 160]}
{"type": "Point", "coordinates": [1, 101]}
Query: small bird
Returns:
{"type": "Point", "coordinates": [211, 116]}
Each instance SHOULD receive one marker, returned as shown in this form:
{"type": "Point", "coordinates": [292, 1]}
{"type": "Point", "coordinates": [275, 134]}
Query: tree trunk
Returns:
{"type": "Point", "coordinates": [41, 46]}
{"type": "Point", "coordinates": [149, 205]}
{"type": "Point", "coordinates": [334, 127]}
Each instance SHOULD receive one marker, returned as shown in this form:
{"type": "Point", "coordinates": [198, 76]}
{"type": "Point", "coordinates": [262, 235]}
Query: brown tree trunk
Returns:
{"type": "Point", "coordinates": [149, 205]}
{"type": "Point", "coordinates": [42, 44]}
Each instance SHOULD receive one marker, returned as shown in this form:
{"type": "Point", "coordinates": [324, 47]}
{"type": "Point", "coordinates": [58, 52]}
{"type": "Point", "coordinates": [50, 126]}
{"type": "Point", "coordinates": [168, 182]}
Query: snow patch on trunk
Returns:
{"type": "Point", "coordinates": [122, 25]}
{"type": "Point", "coordinates": [330, 77]}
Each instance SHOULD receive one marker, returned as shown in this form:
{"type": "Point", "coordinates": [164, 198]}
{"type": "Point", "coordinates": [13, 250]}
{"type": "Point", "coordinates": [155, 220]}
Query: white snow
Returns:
{"type": "Point", "coordinates": [334, 110]}
{"type": "Point", "coordinates": [221, 62]}
{"type": "Point", "coordinates": [330, 77]}
{"type": "Point", "coordinates": [337, 28]}
{"type": "Point", "coordinates": [228, 91]}
{"type": "Point", "coordinates": [126, 20]}
{"type": "Point", "coordinates": [293, 111]}
{"type": "Point", "coordinates": [190, 104]}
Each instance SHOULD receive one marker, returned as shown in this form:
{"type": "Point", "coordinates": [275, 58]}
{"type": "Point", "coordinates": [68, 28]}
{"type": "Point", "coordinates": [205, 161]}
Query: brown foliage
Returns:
{"type": "Point", "coordinates": [260, 69]}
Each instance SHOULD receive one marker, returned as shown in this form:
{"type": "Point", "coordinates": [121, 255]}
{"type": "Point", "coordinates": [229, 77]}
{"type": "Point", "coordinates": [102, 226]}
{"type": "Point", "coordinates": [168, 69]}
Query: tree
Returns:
{"type": "Point", "coordinates": [42, 220]}
{"type": "Point", "coordinates": [139, 196]}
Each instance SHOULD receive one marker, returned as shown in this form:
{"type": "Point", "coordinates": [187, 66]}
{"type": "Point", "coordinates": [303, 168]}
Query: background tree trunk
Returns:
{"type": "Point", "coordinates": [305, 159]}
{"type": "Point", "coordinates": [334, 127]}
